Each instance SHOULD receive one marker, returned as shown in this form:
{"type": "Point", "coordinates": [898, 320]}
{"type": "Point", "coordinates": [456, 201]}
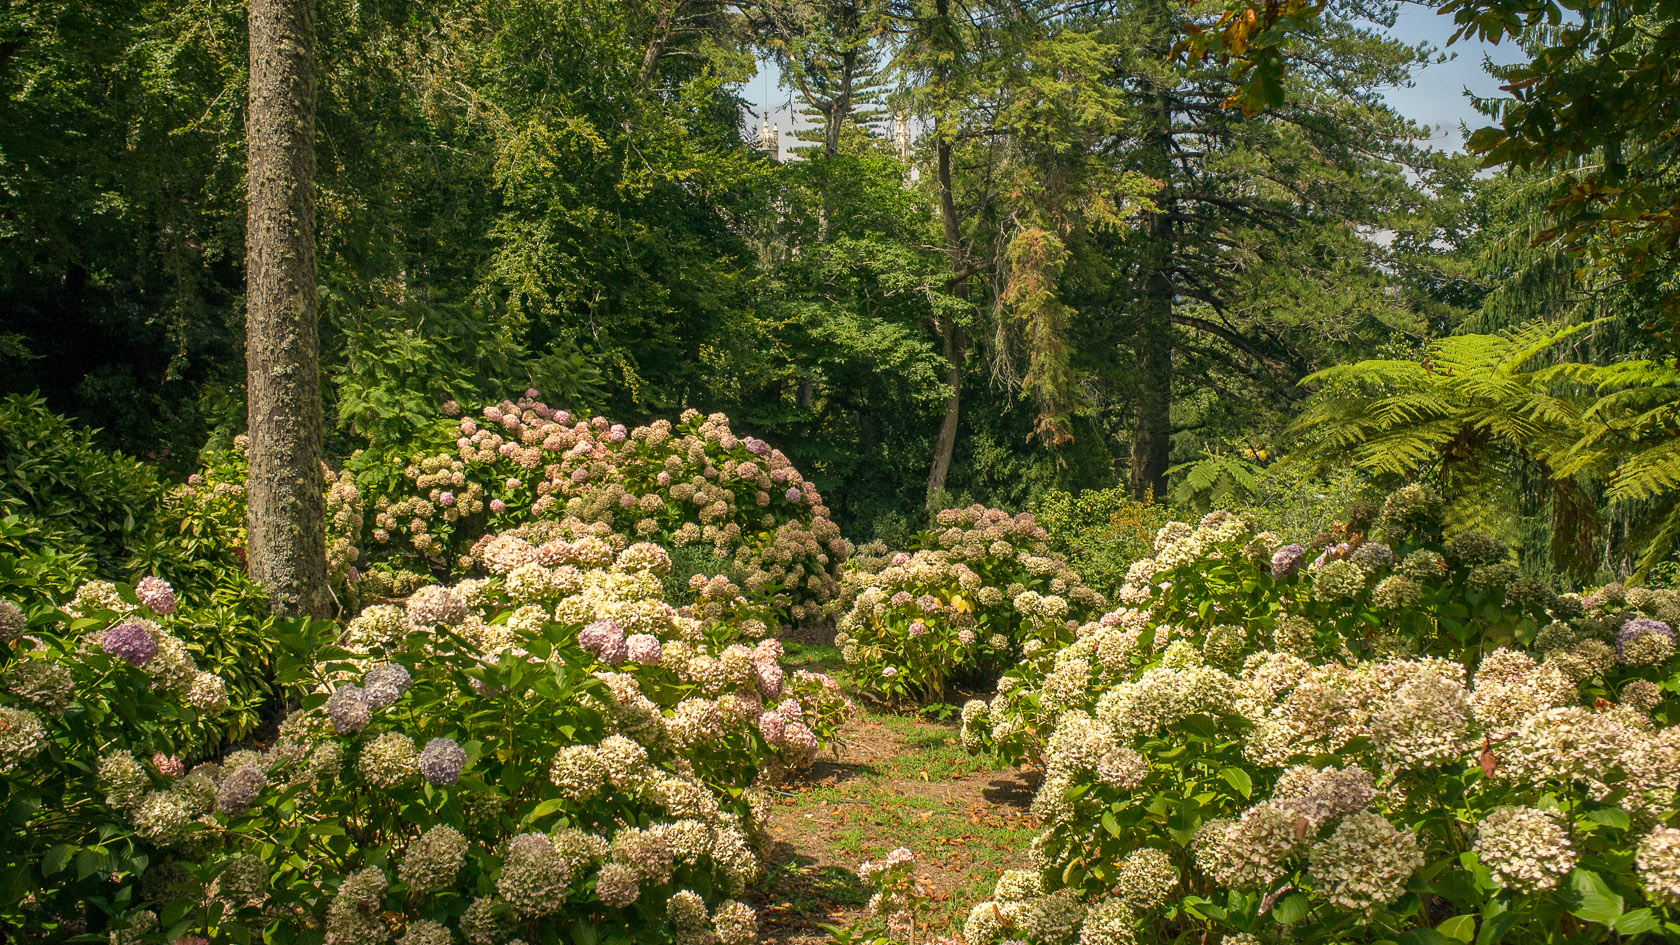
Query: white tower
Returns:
{"type": "Point", "coordinates": [769, 138]}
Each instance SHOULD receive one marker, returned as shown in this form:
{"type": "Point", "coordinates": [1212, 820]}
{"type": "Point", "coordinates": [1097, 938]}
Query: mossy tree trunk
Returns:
{"type": "Point", "coordinates": [286, 544]}
{"type": "Point", "coordinates": [1152, 421]}
{"type": "Point", "coordinates": [952, 337]}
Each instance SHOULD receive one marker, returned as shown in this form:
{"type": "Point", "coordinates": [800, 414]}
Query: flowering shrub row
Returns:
{"type": "Point", "coordinates": [552, 752]}
{"type": "Point", "coordinates": [690, 483]}
{"type": "Point", "coordinates": [398, 518]}
{"type": "Point", "coordinates": [1374, 742]}
{"type": "Point", "coordinates": [983, 590]}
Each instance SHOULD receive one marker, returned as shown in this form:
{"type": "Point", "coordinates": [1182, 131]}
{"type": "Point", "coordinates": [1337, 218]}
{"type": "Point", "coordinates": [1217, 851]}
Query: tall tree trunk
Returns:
{"type": "Point", "coordinates": [286, 531]}
{"type": "Point", "coordinates": [951, 334]}
{"type": "Point", "coordinates": [1152, 422]}
{"type": "Point", "coordinates": [945, 442]}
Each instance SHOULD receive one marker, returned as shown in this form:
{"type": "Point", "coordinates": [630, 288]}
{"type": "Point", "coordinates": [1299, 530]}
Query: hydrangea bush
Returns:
{"type": "Point", "coordinates": [103, 675]}
{"type": "Point", "coordinates": [694, 482]}
{"type": "Point", "coordinates": [1276, 744]}
{"type": "Point", "coordinates": [549, 753]}
{"type": "Point", "coordinates": [982, 590]}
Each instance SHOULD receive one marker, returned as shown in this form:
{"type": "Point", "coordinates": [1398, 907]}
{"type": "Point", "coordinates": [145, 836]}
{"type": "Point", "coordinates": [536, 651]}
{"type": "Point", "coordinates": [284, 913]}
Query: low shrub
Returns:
{"type": "Point", "coordinates": [73, 497]}
{"type": "Point", "coordinates": [103, 675]}
{"type": "Point", "coordinates": [1369, 742]}
{"type": "Point", "coordinates": [983, 590]}
{"type": "Point", "coordinates": [693, 483]}
{"type": "Point", "coordinates": [1100, 532]}
{"type": "Point", "coordinates": [897, 899]}
{"type": "Point", "coordinates": [549, 752]}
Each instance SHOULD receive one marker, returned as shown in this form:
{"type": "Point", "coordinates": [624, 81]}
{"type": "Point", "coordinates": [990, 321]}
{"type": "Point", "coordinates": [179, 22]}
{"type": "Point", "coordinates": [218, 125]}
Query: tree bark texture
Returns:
{"type": "Point", "coordinates": [945, 443]}
{"type": "Point", "coordinates": [286, 530]}
{"type": "Point", "coordinates": [1152, 421]}
{"type": "Point", "coordinates": [951, 334]}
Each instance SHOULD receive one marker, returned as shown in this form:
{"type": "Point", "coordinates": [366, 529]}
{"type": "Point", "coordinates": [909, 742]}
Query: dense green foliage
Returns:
{"type": "Point", "coordinates": [544, 195]}
{"type": "Point", "coordinates": [1392, 742]}
{"type": "Point", "coordinates": [1038, 278]}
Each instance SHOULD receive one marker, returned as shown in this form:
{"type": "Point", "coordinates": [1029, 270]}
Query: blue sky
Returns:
{"type": "Point", "coordinates": [1436, 97]}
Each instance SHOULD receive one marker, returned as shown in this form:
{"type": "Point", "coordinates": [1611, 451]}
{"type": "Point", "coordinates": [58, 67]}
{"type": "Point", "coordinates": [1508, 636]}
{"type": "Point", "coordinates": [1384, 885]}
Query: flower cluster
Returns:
{"type": "Point", "coordinates": [694, 482]}
{"type": "Point", "coordinates": [1335, 732]}
{"type": "Point", "coordinates": [986, 590]}
{"type": "Point", "coordinates": [550, 745]}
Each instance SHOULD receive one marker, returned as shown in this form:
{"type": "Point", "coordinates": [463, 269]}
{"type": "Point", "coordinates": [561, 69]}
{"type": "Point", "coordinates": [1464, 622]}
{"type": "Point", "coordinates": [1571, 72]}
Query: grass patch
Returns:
{"type": "Point", "coordinates": [900, 781]}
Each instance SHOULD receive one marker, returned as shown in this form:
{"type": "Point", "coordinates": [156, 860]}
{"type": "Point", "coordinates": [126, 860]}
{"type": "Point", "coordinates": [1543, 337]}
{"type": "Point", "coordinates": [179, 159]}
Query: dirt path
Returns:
{"type": "Point", "coordinates": [898, 781]}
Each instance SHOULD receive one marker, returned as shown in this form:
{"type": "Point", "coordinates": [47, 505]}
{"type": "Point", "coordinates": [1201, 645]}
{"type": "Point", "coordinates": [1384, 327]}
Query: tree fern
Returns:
{"type": "Point", "coordinates": [1216, 480]}
{"type": "Point", "coordinates": [1478, 414]}
{"type": "Point", "coordinates": [1632, 433]}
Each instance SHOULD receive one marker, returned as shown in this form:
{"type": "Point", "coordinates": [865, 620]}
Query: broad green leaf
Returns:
{"type": "Point", "coordinates": [1610, 817]}
{"type": "Point", "coordinates": [1459, 927]}
{"type": "Point", "coordinates": [1636, 922]}
{"type": "Point", "coordinates": [545, 808]}
{"type": "Point", "coordinates": [1291, 910]}
{"type": "Point", "coordinates": [57, 858]}
{"type": "Point", "coordinates": [1598, 903]}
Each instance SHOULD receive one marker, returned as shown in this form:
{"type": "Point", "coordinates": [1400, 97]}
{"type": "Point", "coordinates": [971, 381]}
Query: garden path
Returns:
{"type": "Point", "coordinates": [898, 780]}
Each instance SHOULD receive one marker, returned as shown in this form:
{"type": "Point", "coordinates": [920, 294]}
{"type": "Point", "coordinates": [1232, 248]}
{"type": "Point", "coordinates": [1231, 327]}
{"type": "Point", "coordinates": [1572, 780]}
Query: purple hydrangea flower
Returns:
{"type": "Point", "coordinates": [756, 446]}
{"type": "Point", "coordinates": [441, 762]}
{"type": "Point", "coordinates": [384, 684]}
{"type": "Point", "coordinates": [1636, 628]}
{"type": "Point", "coordinates": [157, 595]}
{"type": "Point", "coordinates": [348, 709]}
{"type": "Point", "coordinates": [1287, 560]}
{"type": "Point", "coordinates": [793, 494]}
{"type": "Point", "coordinates": [239, 788]}
{"type": "Point", "coordinates": [917, 628]}
{"type": "Point", "coordinates": [604, 639]}
{"type": "Point", "coordinates": [131, 642]}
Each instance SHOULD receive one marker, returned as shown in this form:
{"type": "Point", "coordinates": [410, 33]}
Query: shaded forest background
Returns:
{"type": "Point", "coordinates": [1026, 246]}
